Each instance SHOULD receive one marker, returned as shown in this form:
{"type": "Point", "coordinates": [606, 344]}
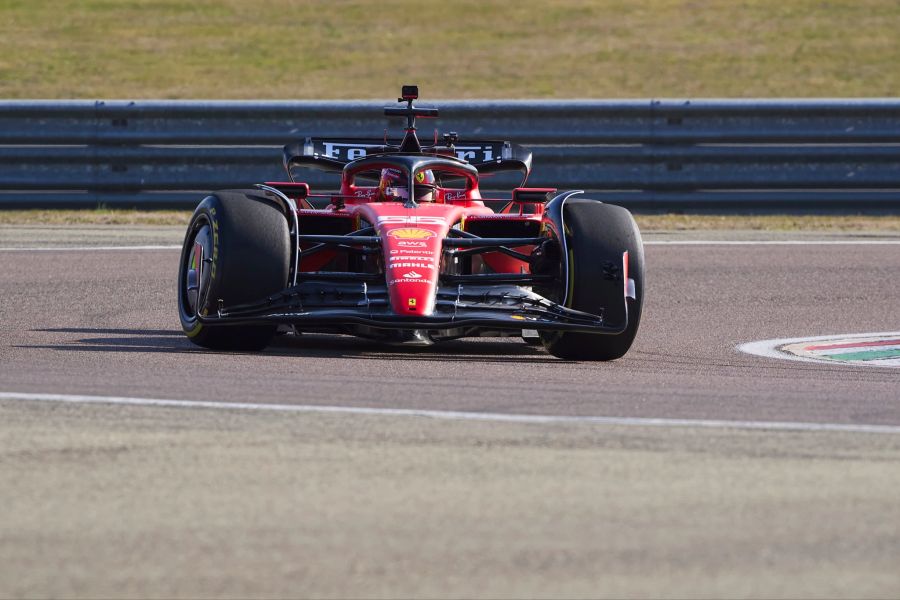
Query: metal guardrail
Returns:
{"type": "Point", "coordinates": [661, 154]}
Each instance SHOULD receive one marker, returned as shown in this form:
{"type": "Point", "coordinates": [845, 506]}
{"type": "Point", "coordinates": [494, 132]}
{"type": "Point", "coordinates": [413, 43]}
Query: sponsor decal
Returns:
{"type": "Point", "coordinates": [411, 233]}
{"type": "Point", "coordinates": [412, 265]}
{"type": "Point", "coordinates": [369, 193]}
{"type": "Point", "coordinates": [342, 151]}
{"type": "Point", "coordinates": [347, 151]}
{"type": "Point", "coordinates": [411, 303]}
{"type": "Point", "coordinates": [411, 251]}
{"type": "Point", "coordinates": [475, 153]}
{"type": "Point", "coordinates": [407, 257]}
{"type": "Point", "coordinates": [405, 280]}
{"type": "Point", "coordinates": [215, 240]}
{"type": "Point", "coordinates": [458, 195]}
{"type": "Point", "coordinates": [412, 275]}
{"type": "Point", "coordinates": [411, 244]}
{"type": "Point", "coordinates": [417, 220]}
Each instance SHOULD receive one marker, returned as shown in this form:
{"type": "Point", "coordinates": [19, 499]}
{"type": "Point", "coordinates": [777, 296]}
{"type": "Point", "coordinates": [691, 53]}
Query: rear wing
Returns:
{"type": "Point", "coordinates": [332, 154]}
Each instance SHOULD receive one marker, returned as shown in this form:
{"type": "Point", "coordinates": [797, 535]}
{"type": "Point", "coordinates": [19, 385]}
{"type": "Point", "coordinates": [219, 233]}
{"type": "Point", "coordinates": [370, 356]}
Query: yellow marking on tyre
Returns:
{"type": "Point", "coordinates": [193, 331]}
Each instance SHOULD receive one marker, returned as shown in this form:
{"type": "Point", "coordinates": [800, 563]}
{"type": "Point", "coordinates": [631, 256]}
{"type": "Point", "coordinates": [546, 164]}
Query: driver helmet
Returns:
{"type": "Point", "coordinates": [393, 184]}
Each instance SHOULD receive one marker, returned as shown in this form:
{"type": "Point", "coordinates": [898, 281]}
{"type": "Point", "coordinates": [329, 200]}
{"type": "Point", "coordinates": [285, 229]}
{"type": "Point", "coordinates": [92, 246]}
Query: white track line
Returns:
{"type": "Point", "coordinates": [769, 348]}
{"type": "Point", "coordinates": [458, 415]}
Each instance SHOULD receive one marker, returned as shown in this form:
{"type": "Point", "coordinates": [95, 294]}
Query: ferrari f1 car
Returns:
{"type": "Point", "coordinates": [408, 251]}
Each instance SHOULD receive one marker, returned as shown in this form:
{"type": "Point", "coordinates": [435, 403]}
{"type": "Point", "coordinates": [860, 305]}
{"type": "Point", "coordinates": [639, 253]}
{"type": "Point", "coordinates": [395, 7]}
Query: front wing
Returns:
{"type": "Point", "coordinates": [343, 303]}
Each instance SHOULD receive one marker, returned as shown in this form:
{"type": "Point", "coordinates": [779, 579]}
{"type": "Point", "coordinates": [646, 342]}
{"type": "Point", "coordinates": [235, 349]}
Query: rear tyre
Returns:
{"type": "Point", "coordinates": [596, 235]}
{"type": "Point", "coordinates": [242, 243]}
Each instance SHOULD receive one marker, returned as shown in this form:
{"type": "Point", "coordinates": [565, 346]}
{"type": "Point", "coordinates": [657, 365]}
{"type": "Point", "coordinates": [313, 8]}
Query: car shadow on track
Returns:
{"type": "Point", "coordinates": [496, 350]}
{"type": "Point", "coordinates": [118, 340]}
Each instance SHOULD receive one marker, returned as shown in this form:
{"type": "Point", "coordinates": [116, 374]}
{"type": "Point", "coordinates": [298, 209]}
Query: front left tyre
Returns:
{"type": "Point", "coordinates": [236, 250]}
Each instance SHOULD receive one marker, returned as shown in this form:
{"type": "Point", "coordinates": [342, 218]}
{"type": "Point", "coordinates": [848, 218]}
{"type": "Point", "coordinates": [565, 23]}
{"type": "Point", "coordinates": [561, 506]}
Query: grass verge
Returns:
{"type": "Point", "coordinates": [318, 49]}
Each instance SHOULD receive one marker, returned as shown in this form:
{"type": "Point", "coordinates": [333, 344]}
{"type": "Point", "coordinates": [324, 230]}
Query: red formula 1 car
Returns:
{"type": "Point", "coordinates": [408, 252]}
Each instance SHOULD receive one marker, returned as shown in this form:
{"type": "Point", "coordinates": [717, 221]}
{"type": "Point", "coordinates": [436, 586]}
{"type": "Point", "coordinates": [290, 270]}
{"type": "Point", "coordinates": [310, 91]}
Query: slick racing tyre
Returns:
{"type": "Point", "coordinates": [237, 250]}
{"type": "Point", "coordinates": [596, 235]}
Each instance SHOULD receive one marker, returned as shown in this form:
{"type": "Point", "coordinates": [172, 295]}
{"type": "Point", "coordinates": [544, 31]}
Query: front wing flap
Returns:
{"type": "Point", "coordinates": [342, 303]}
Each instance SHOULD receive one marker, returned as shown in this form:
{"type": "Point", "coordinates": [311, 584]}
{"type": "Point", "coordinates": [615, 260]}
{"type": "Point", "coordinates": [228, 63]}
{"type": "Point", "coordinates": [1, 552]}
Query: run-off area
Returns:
{"type": "Point", "coordinates": [109, 500]}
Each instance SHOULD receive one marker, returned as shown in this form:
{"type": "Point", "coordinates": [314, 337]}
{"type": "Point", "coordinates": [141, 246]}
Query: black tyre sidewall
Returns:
{"type": "Point", "coordinates": [250, 261]}
{"type": "Point", "coordinates": [597, 234]}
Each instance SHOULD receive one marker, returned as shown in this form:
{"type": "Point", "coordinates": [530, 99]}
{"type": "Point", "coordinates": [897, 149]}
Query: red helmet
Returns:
{"type": "Point", "coordinates": [424, 186]}
{"type": "Point", "coordinates": [394, 185]}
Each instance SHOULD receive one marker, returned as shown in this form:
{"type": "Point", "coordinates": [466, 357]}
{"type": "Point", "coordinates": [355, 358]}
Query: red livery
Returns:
{"type": "Point", "coordinates": [408, 251]}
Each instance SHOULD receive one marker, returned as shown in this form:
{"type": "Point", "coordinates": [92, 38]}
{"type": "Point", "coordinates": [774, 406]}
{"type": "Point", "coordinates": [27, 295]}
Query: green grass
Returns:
{"type": "Point", "coordinates": [452, 49]}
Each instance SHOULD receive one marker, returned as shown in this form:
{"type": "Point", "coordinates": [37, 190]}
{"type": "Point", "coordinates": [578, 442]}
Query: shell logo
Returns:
{"type": "Point", "coordinates": [411, 233]}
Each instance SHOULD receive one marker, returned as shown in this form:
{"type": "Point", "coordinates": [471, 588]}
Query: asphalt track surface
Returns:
{"type": "Point", "coordinates": [153, 501]}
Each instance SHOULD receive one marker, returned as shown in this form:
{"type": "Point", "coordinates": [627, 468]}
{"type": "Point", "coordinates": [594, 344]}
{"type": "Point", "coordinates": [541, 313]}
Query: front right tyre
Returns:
{"type": "Point", "coordinates": [596, 235]}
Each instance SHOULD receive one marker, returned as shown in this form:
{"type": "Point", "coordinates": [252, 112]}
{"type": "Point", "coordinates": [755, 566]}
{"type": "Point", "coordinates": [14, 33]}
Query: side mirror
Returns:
{"type": "Point", "coordinates": [295, 189]}
{"type": "Point", "coordinates": [532, 195]}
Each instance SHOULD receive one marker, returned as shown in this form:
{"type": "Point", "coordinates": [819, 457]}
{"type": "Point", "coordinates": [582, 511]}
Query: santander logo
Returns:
{"type": "Point", "coordinates": [412, 275]}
